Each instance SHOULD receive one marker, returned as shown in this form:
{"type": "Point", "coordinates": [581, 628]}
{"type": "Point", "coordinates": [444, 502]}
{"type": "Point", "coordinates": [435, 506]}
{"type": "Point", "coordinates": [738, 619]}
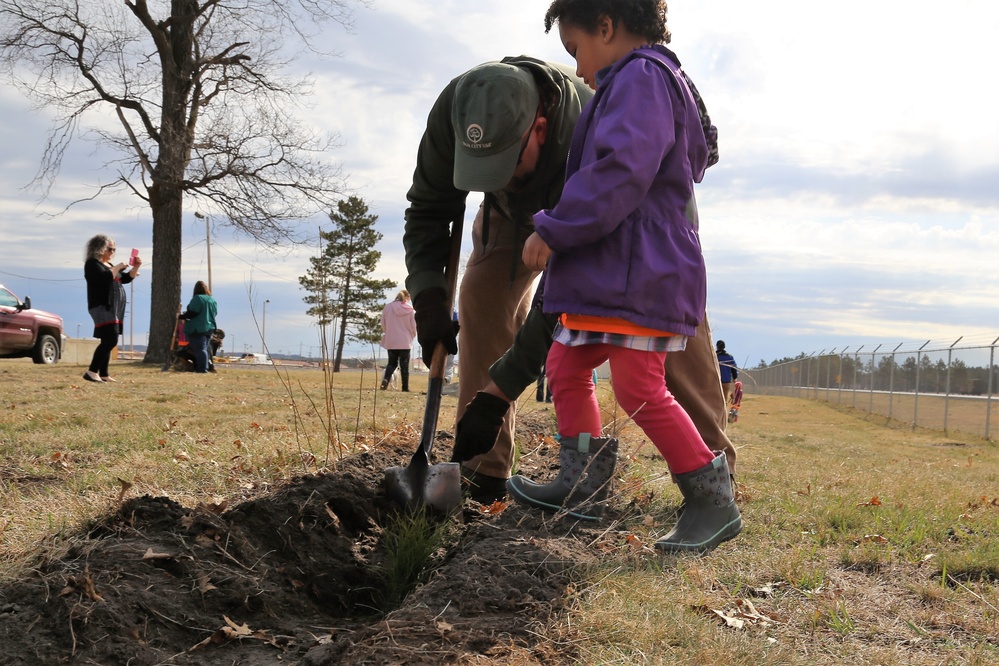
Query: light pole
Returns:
{"type": "Point", "coordinates": [208, 245]}
{"type": "Point", "coordinates": [263, 328]}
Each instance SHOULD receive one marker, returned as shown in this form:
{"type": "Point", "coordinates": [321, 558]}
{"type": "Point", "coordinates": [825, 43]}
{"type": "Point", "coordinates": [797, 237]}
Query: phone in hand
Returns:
{"type": "Point", "coordinates": [135, 253]}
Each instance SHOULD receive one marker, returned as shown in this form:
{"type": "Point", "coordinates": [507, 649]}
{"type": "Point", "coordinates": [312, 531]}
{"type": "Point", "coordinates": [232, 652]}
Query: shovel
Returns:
{"type": "Point", "coordinates": [420, 483]}
{"type": "Point", "coordinates": [173, 341]}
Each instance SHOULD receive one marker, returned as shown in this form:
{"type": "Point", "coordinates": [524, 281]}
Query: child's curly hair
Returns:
{"type": "Point", "coordinates": [642, 17]}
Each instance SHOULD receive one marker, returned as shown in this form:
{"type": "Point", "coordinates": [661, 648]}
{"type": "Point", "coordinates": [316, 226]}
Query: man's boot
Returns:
{"type": "Point", "coordinates": [586, 470]}
{"type": "Point", "coordinates": [710, 514]}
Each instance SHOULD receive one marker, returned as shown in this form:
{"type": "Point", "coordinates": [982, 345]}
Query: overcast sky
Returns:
{"type": "Point", "coordinates": [856, 200]}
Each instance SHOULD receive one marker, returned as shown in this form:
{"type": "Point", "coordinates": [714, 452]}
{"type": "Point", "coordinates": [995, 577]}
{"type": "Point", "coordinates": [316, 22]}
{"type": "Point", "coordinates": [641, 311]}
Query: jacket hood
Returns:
{"type": "Point", "coordinates": [400, 309]}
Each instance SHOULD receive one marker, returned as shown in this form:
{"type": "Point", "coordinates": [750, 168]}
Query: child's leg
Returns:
{"type": "Point", "coordinates": [640, 389]}
{"type": "Point", "coordinates": [586, 460]}
{"type": "Point", "coordinates": [569, 371]}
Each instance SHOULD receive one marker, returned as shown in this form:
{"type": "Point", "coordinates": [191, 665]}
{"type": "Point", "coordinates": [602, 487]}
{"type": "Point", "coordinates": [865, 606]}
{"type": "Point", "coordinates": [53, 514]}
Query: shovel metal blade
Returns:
{"type": "Point", "coordinates": [436, 486]}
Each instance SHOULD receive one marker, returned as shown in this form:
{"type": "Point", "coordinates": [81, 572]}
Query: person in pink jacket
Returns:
{"type": "Point", "coordinates": [398, 332]}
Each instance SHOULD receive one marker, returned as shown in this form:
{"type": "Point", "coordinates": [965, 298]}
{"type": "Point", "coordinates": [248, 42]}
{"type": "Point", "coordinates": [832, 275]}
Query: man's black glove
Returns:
{"type": "Point", "coordinates": [479, 426]}
{"type": "Point", "coordinates": [434, 323]}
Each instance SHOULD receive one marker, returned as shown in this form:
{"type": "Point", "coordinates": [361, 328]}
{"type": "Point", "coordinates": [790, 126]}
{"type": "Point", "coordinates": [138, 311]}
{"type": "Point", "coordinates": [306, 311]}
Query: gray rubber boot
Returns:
{"type": "Point", "coordinates": [586, 470]}
{"type": "Point", "coordinates": [710, 515]}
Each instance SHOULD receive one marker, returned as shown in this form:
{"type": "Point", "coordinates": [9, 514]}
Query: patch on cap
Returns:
{"type": "Point", "coordinates": [494, 105]}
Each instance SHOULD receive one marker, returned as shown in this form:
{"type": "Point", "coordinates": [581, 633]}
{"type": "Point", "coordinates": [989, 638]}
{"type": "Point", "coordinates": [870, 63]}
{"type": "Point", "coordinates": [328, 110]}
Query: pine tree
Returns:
{"type": "Point", "coordinates": [341, 291]}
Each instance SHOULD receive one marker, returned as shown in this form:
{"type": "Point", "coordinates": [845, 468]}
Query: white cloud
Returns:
{"type": "Point", "coordinates": [855, 197]}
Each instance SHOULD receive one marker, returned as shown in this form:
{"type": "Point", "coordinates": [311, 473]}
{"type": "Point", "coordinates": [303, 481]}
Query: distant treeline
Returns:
{"type": "Point", "coordinates": [886, 374]}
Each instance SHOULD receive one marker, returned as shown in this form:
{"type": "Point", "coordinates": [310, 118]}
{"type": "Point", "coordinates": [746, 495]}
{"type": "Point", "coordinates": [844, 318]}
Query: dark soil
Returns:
{"type": "Point", "coordinates": [292, 578]}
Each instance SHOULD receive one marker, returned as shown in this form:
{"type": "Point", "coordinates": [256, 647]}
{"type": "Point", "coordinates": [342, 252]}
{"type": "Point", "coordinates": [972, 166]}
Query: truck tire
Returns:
{"type": "Point", "coordinates": [47, 350]}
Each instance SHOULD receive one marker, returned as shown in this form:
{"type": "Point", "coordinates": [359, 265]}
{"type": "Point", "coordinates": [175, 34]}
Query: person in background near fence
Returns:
{"type": "Point", "coordinates": [106, 301]}
{"type": "Point", "coordinates": [623, 234]}
{"type": "Point", "coordinates": [398, 331]}
{"type": "Point", "coordinates": [199, 325]}
{"type": "Point", "coordinates": [727, 368]}
{"type": "Point", "coordinates": [449, 361]}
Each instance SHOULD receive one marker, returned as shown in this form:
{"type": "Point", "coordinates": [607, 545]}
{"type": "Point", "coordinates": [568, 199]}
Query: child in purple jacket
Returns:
{"type": "Point", "coordinates": [625, 267]}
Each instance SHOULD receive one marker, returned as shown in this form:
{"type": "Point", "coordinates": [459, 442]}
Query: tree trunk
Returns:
{"type": "Point", "coordinates": [166, 296]}
{"type": "Point", "coordinates": [166, 194]}
{"type": "Point", "coordinates": [339, 344]}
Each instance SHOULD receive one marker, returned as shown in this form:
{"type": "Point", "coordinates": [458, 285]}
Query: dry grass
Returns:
{"type": "Point", "coordinates": [863, 543]}
{"type": "Point", "coordinates": [71, 450]}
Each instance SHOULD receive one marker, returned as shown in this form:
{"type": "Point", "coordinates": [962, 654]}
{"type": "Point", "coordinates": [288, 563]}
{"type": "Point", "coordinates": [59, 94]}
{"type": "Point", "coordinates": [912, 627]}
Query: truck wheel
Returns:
{"type": "Point", "coordinates": [47, 350]}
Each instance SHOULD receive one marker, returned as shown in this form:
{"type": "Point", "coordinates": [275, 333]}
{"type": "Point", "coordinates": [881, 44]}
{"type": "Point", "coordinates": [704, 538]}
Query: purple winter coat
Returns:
{"type": "Point", "coordinates": [624, 234]}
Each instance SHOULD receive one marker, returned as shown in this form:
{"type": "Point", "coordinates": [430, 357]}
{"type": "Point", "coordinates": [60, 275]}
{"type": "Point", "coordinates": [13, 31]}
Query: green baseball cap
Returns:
{"type": "Point", "coordinates": [494, 104]}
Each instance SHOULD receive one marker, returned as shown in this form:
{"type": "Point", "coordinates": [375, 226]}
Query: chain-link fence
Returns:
{"type": "Point", "coordinates": [929, 385]}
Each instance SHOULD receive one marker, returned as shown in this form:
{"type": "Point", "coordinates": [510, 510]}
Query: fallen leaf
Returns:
{"type": "Point", "coordinates": [217, 638]}
{"type": "Point", "coordinates": [204, 539]}
{"type": "Point", "coordinates": [876, 538]}
{"type": "Point", "coordinates": [125, 487]}
{"type": "Point", "coordinates": [495, 508]}
{"type": "Point", "coordinates": [214, 507]}
{"type": "Point", "coordinates": [767, 590]}
{"type": "Point", "coordinates": [874, 501]}
{"type": "Point", "coordinates": [748, 611]}
{"type": "Point", "coordinates": [181, 456]}
{"type": "Point", "coordinates": [634, 542]}
{"type": "Point", "coordinates": [444, 626]}
{"type": "Point", "coordinates": [83, 584]}
{"type": "Point", "coordinates": [730, 619]}
{"type": "Point", "coordinates": [239, 629]}
{"type": "Point", "coordinates": [150, 555]}
{"type": "Point", "coordinates": [205, 584]}
{"type": "Point", "coordinates": [333, 517]}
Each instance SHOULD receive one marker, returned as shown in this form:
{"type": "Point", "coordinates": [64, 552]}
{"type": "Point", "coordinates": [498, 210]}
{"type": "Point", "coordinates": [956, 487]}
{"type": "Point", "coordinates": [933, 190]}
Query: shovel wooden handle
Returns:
{"type": "Point", "coordinates": [436, 382]}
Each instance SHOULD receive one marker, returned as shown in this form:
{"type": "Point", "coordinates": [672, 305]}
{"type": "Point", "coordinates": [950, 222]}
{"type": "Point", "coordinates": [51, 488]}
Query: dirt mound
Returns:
{"type": "Point", "coordinates": [293, 577]}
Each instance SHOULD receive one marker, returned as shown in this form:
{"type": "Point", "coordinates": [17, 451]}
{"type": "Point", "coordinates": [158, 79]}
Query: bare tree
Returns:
{"type": "Point", "coordinates": [194, 104]}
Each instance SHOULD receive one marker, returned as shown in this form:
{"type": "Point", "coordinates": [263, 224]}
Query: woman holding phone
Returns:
{"type": "Point", "coordinates": [106, 300]}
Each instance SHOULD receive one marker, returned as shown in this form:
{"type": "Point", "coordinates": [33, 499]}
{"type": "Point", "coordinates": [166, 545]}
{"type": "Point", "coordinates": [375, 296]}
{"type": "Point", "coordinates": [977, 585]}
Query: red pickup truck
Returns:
{"type": "Point", "coordinates": [27, 332]}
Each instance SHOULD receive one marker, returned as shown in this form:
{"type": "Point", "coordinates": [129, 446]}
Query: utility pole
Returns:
{"type": "Point", "coordinates": [263, 328]}
{"type": "Point", "coordinates": [208, 245]}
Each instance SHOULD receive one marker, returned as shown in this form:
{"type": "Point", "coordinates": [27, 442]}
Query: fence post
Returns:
{"type": "Point", "coordinates": [891, 380]}
{"type": "Point", "coordinates": [856, 362]}
{"type": "Point", "coordinates": [818, 371]}
{"type": "Point", "coordinates": [829, 372]}
{"type": "Point", "coordinates": [950, 353]}
{"type": "Point", "coordinates": [807, 376]}
{"type": "Point", "coordinates": [988, 397]}
{"type": "Point", "coordinates": [915, 402]}
{"type": "Point", "coordinates": [870, 401]}
{"type": "Point", "coordinates": [839, 377]}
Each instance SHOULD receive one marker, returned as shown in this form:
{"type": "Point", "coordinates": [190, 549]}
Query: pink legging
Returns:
{"type": "Point", "coordinates": [640, 388]}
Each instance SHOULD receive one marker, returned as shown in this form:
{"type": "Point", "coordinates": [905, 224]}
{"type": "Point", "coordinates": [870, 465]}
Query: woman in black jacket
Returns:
{"type": "Point", "coordinates": [106, 300]}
